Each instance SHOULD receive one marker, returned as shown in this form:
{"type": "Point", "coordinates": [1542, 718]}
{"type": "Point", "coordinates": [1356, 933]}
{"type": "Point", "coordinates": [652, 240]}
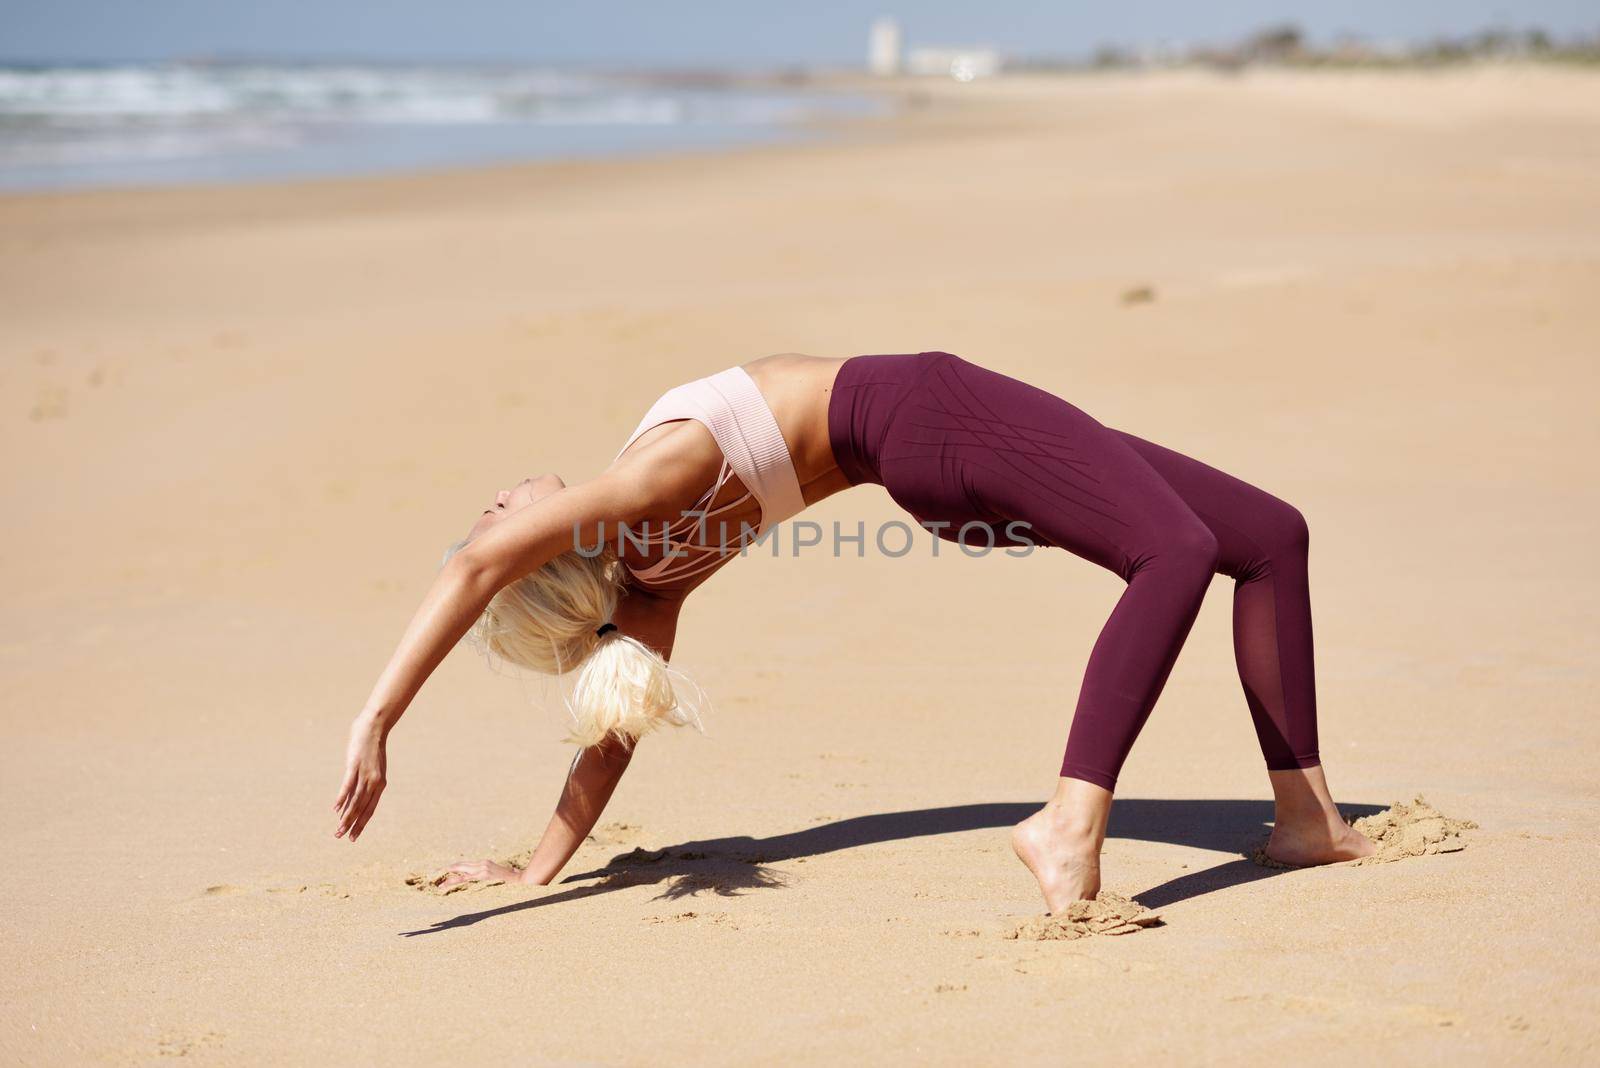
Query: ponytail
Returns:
{"type": "Point", "coordinates": [555, 621]}
{"type": "Point", "coordinates": [624, 690]}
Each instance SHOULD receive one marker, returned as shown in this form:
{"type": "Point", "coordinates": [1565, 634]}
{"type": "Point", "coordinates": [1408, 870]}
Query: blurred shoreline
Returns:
{"type": "Point", "coordinates": [122, 125]}
{"type": "Point", "coordinates": [128, 126]}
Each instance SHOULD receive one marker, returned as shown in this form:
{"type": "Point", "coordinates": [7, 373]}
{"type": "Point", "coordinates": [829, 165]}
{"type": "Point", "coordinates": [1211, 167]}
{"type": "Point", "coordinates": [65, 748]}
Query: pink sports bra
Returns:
{"type": "Point", "coordinates": [732, 408]}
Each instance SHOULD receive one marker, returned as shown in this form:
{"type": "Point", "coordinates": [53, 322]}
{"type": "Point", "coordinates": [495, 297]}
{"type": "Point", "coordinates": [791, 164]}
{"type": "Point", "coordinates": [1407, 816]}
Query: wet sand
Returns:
{"type": "Point", "coordinates": [241, 424]}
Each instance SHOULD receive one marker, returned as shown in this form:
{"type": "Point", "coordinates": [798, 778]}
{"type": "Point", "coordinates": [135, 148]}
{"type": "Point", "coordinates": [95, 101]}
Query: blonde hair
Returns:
{"type": "Point", "coordinates": [548, 620]}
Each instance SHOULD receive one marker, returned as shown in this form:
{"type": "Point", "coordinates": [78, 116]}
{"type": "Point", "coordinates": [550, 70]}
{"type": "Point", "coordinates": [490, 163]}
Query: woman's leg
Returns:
{"type": "Point", "coordinates": [1027, 456]}
{"type": "Point", "coordinates": [1262, 544]}
{"type": "Point", "coordinates": [971, 442]}
{"type": "Point", "coordinates": [978, 443]}
{"type": "Point", "coordinates": [1167, 556]}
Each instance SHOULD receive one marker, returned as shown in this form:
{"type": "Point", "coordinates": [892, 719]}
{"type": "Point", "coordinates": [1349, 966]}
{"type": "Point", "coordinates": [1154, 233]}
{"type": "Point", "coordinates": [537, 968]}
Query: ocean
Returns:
{"type": "Point", "coordinates": [111, 125]}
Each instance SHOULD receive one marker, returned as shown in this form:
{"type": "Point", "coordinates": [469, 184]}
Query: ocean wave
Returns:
{"type": "Point", "coordinates": [166, 94]}
{"type": "Point", "coordinates": [54, 119]}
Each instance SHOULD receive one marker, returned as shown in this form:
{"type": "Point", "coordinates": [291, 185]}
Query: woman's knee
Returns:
{"type": "Point", "coordinates": [1197, 547]}
{"type": "Point", "coordinates": [1283, 531]}
{"type": "Point", "coordinates": [1186, 549]}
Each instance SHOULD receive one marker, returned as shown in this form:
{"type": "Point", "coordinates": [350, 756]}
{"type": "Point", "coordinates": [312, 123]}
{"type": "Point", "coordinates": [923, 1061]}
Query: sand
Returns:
{"type": "Point", "coordinates": [241, 424]}
{"type": "Point", "coordinates": [1409, 830]}
{"type": "Point", "coordinates": [1108, 914]}
{"type": "Point", "coordinates": [1400, 832]}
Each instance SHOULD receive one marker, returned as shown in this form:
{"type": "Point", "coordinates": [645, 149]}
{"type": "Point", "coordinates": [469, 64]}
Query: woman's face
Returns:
{"type": "Point", "coordinates": [517, 497]}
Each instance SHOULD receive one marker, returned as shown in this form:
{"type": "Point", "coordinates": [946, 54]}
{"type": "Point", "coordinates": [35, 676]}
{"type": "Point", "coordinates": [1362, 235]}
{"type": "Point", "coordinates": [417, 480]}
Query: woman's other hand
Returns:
{"type": "Point", "coordinates": [364, 778]}
{"type": "Point", "coordinates": [474, 871]}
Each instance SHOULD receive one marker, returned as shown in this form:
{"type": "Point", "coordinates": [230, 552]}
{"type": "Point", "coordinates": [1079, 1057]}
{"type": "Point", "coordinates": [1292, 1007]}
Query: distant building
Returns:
{"type": "Point", "coordinates": [883, 48]}
{"type": "Point", "coordinates": [962, 64]}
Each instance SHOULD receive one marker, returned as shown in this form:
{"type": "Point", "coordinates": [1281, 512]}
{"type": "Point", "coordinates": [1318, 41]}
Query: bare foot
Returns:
{"type": "Point", "coordinates": [1306, 827]}
{"type": "Point", "coordinates": [1322, 839]}
{"type": "Point", "coordinates": [1063, 856]}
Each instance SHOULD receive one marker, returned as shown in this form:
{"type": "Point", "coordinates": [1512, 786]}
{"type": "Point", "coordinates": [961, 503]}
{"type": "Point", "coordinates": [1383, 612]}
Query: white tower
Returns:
{"type": "Point", "coordinates": [883, 47]}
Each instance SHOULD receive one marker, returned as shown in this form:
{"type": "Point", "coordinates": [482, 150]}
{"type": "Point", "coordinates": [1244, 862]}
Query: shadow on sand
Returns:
{"type": "Point", "coordinates": [731, 866]}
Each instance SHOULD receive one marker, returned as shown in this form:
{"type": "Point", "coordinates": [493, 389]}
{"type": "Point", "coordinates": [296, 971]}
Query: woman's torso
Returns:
{"type": "Point", "coordinates": [796, 389]}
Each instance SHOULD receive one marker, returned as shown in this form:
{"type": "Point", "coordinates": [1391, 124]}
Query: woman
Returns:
{"type": "Point", "coordinates": [548, 578]}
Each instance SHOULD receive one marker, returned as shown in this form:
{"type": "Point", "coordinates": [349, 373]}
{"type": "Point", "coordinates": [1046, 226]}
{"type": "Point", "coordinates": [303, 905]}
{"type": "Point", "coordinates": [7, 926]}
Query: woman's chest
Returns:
{"type": "Point", "coordinates": [677, 551]}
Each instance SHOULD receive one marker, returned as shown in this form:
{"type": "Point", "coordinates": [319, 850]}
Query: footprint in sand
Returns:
{"type": "Point", "coordinates": [181, 1045]}
{"type": "Point", "coordinates": [325, 889]}
{"type": "Point", "coordinates": [1401, 831]}
{"type": "Point", "coordinates": [51, 404]}
{"type": "Point", "coordinates": [1107, 914]}
{"type": "Point", "coordinates": [228, 890]}
{"type": "Point", "coordinates": [617, 833]}
{"type": "Point", "coordinates": [718, 918]}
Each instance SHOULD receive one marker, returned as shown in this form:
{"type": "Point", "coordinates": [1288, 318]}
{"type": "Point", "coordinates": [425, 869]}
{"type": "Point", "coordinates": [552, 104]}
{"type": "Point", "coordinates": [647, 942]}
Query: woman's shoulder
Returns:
{"type": "Point", "coordinates": [673, 459]}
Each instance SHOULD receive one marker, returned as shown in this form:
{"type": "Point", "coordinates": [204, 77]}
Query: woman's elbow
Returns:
{"type": "Point", "coordinates": [474, 571]}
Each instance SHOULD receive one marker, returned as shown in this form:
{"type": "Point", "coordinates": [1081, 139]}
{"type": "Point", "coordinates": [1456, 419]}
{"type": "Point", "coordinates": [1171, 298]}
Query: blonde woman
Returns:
{"type": "Point", "coordinates": [590, 578]}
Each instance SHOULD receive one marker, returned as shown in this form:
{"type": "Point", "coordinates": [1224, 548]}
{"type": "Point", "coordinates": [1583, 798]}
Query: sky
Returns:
{"type": "Point", "coordinates": [700, 33]}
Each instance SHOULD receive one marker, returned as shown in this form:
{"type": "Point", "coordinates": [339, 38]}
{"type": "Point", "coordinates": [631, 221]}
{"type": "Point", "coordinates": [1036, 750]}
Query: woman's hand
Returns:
{"type": "Point", "coordinates": [366, 766]}
{"type": "Point", "coordinates": [473, 871]}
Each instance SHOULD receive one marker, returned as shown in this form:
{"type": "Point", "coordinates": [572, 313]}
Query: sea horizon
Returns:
{"type": "Point", "coordinates": [113, 124]}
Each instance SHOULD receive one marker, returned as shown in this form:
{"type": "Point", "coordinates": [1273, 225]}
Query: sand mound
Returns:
{"type": "Point", "coordinates": [1107, 914]}
{"type": "Point", "coordinates": [1412, 830]}
{"type": "Point", "coordinates": [1400, 831]}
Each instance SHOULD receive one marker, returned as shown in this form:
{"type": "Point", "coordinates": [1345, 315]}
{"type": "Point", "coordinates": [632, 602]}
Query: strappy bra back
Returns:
{"type": "Point", "coordinates": [732, 408]}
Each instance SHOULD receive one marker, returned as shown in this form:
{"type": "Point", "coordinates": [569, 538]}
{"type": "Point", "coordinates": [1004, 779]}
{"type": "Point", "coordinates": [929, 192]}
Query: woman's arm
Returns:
{"type": "Point", "coordinates": [516, 546]}
{"type": "Point", "coordinates": [590, 783]}
{"type": "Point", "coordinates": [595, 771]}
{"type": "Point", "coordinates": [593, 777]}
{"type": "Point", "coordinates": [456, 598]}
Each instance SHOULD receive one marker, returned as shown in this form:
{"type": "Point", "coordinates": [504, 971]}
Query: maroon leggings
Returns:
{"type": "Point", "coordinates": [972, 453]}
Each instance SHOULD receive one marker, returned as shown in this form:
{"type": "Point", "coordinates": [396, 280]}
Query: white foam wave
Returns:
{"type": "Point", "coordinates": [70, 115]}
